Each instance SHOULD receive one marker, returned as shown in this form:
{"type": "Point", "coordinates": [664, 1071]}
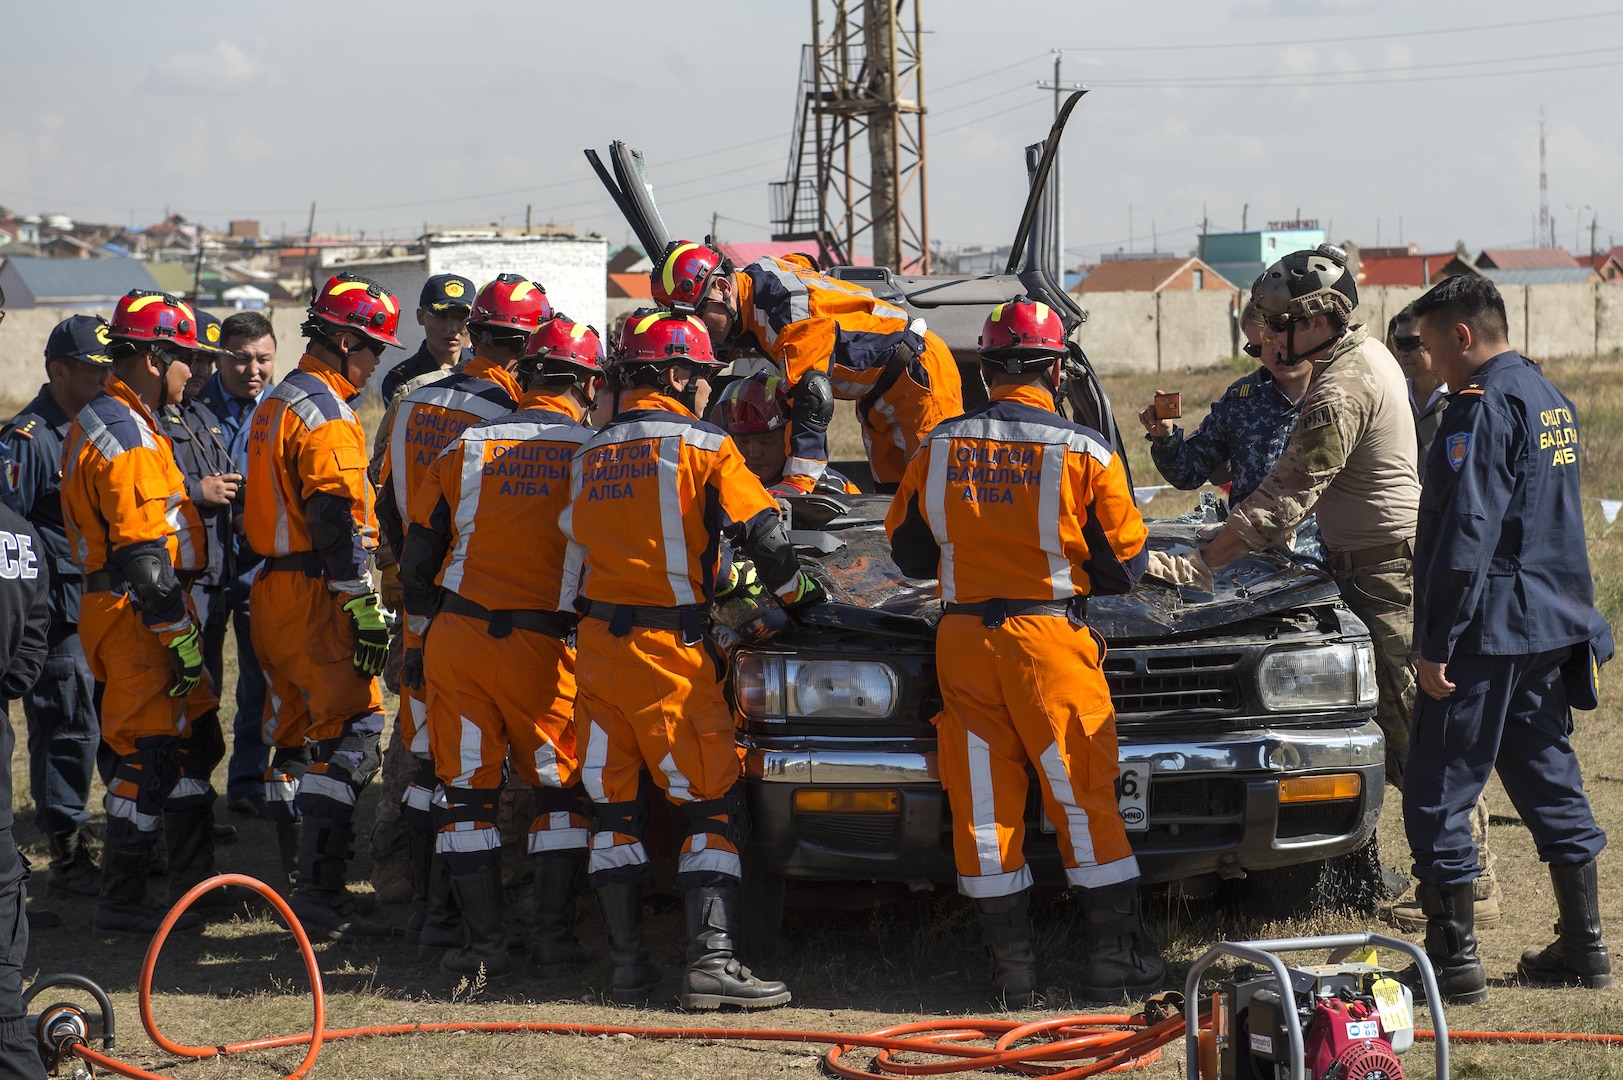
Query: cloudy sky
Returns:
{"type": "Point", "coordinates": [1362, 113]}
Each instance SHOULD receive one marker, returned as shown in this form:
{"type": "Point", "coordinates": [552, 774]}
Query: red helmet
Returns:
{"type": "Point", "coordinates": [511, 303]}
{"type": "Point", "coordinates": [682, 277]}
{"type": "Point", "coordinates": [753, 406]}
{"type": "Point", "coordinates": [144, 317]}
{"type": "Point", "coordinates": [351, 302]}
{"type": "Point", "coordinates": [566, 344]}
{"type": "Point", "coordinates": [663, 337]}
{"type": "Point", "coordinates": [1022, 333]}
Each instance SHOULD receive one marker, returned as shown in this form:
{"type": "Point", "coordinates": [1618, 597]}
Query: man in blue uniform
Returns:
{"type": "Point", "coordinates": [442, 312]}
{"type": "Point", "coordinates": [63, 731]}
{"type": "Point", "coordinates": [25, 620]}
{"type": "Point", "coordinates": [1503, 603]}
{"type": "Point", "coordinates": [240, 379]}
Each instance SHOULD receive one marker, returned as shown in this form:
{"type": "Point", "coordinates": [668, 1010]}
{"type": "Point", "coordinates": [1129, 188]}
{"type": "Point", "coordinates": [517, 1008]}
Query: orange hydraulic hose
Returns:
{"type": "Point", "coordinates": [1096, 1039]}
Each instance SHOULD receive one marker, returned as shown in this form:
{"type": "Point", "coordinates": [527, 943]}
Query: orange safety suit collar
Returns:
{"type": "Point", "coordinates": [552, 401]}
{"type": "Point", "coordinates": [329, 375]}
{"type": "Point", "coordinates": [645, 398]}
{"type": "Point", "coordinates": [118, 388]}
{"type": "Point", "coordinates": [482, 367]}
{"type": "Point", "coordinates": [1035, 396]}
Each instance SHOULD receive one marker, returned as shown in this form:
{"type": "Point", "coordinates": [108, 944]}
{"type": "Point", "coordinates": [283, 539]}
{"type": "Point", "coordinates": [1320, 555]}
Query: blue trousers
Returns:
{"type": "Point", "coordinates": [1507, 713]}
{"type": "Point", "coordinates": [228, 608]}
{"type": "Point", "coordinates": [63, 732]}
{"type": "Point", "coordinates": [18, 1056]}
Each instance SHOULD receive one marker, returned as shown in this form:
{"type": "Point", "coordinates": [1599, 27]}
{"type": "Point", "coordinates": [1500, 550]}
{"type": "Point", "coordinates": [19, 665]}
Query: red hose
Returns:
{"type": "Point", "coordinates": [1054, 1048]}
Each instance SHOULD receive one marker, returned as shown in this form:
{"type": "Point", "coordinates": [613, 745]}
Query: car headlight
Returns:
{"type": "Point", "coordinates": [1318, 677]}
{"type": "Point", "coordinates": [777, 687]}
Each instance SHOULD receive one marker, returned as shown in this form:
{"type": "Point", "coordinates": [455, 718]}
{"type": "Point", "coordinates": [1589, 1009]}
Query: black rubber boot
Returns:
{"type": "Point", "coordinates": [1450, 945]}
{"type": "Point", "coordinates": [554, 949]}
{"type": "Point", "coordinates": [635, 975]}
{"type": "Point", "coordinates": [480, 898]}
{"type": "Point", "coordinates": [714, 977]}
{"type": "Point", "coordinates": [124, 907]}
{"type": "Point", "coordinates": [73, 872]}
{"type": "Point", "coordinates": [189, 835]}
{"type": "Point", "coordinates": [1006, 933]}
{"type": "Point", "coordinates": [434, 925]}
{"type": "Point", "coordinates": [321, 901]}
{"type": "Point", "coordinates": [289, 835]}
{"type": "Point", "coordinates": [1116, 970]}
{"type": "Point", "coordinates": [1578, 956]}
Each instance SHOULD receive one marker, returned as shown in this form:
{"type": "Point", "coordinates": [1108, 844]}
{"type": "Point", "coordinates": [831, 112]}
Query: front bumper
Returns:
{"type": "Point", "coordinates": [1214, 806]}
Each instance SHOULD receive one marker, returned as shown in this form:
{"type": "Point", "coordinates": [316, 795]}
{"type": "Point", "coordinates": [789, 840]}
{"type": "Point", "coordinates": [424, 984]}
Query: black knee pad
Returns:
{"type": "Point", "coordinates": [726, 817]}
{"type": "Point", "coordinates": [570, 800]}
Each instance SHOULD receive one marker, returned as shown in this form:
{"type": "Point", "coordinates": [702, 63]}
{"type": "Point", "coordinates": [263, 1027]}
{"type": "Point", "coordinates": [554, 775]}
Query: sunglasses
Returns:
{"type": "Point", "coordinates": [1253, 351]}
{"type": "Point", "coordinates": [1407, 342]}
{"type": "Point", "coordinates": [1278, 323]}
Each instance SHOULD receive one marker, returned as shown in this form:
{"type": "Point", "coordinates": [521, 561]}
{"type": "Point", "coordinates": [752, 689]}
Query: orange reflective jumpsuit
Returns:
{"type": "Point", "coordinates": [425, 421]}
{"type": "Point", "coordinates": [653, 493]}
{"type": "Point", "coordinates": [902, 377]}
{"type": "Point", "coordinates": [306, 466]}
{"type": "Point", "coordinates": [1022, 515]}
{"type": "Point", "coordinates": [122, 493]}
{"type": "Point", "coordinates": [498, 662]}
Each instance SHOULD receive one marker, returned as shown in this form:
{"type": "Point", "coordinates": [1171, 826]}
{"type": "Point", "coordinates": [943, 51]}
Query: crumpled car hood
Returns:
{"type": "Point", "coordinates": [860, 574]}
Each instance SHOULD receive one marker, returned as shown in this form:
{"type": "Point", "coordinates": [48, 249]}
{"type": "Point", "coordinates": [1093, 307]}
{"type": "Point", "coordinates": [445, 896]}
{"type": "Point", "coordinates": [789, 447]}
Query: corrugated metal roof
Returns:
{"type": "Point", "coordinates": [55, 280]}
{"type": "Point", "coordinates": [1548, 275]}
{"type": "Point", "coordinates": [1524, 258]}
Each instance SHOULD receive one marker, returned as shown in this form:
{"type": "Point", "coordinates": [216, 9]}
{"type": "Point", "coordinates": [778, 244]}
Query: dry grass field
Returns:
{"type": "Point", "coordinates": [851, 970]}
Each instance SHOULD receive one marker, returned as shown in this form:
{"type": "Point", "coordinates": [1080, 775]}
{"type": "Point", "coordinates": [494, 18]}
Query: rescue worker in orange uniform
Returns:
{"type": "Point", "coordinates": [755, 412]}
{"type": "Point", "coordinates": [134, 534]}
{"type": "Point", "coordinates": [498, 657]}
{"type": "Point", "coordinates": [830, 339]}
{"type": "Point", "coordinates": [425, 421]}
{"type": "Point", "coordinates": [1022, 515]}
{"type": "Point", "coordinates": [318, 629]}
{"type": "Point", "coordinates": [654, 493]}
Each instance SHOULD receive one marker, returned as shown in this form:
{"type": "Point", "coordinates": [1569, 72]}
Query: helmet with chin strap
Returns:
{"type": "Point", "coordinates": [682, 278]}
{"type": "Point", "coordinates": [351, 302]}
{"type": "Point", "coordinates": [1022, 335]}
{"type": "Point", "coordinates": [156, 322]}
{"type": "Point", "coordinates": [1302, 285]}
{"type": "Point", "coordinates": [510, 306]}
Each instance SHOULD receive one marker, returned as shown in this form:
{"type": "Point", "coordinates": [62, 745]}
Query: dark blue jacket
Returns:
{"type": "Point", "coordinates": [25, 620]}
{"type": "Point", "coordinates": [200, 448]}
{"type": "Point", "coordinates": [1501, 566]}
{"type": "Point", "coordinates": [234, 414]}
{"type": "Point", "coordinates": [418, 363]}
{"type": "Point", "coordinates": [31, 484]}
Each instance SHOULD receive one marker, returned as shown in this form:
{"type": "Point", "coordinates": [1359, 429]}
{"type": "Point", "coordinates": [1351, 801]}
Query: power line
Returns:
{"type": "Point", "coordinates": [1348, 73]}
{"type": "Point", "coordinates": [1318, 80]}
{"type": "Point", "coordinates": [984, 74]}
{"type": "Point", "coordinates": [988, 116]}
{"type": "Point", "coordinates": [1342, 39]}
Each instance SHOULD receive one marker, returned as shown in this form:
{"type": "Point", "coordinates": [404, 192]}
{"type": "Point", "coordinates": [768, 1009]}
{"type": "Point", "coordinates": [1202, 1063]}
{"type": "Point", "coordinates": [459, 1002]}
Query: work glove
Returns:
{"type": "Point", "coordinates": [808, 590]}
{"type": "Point", "coordinates": [186, 660]}
{"type": "Point", "coordinates": [742, 583]}
{"type": "Point", "coordinates": [1188, 571]}
{"type": "Point", "coordinates": [371, 636]}
{"type": "Point", "coordinates": [411, 670]}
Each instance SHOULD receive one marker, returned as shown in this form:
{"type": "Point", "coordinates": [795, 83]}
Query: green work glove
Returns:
{"type": "Point", "coordinates": [743, 584]}
{"type": "Point", "coordinates": [371, 636]}
{"type": "Point", "coordinates": [808, 590]}
{"type": "Point", "coordinates": [186, 658]}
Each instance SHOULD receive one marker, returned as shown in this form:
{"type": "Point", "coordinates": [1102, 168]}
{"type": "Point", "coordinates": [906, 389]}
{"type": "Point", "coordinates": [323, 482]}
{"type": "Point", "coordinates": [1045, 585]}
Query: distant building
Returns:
{"type": "Point", "coordinates": [1154, 275]}
{"type": "Point", "coordinates": [70, 284]}
{"type": "Point", "coordinates": [1242, 257]}
{"type": "Point", "coordinates": [1609, 265]}
{"type": "Point", "coordinates": [1406, 266]}
{"type": "Point", "coordinates": [1525, 259]}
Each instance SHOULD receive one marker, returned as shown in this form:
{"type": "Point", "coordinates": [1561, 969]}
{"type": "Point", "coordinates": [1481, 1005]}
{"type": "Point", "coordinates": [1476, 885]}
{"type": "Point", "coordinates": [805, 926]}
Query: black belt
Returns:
{"type": "Point", "coordinates": [992, 613]}
{"type": "Point", "coordinates": [557, 624]}
{"type": "Point", "coordinates": [1371, 556]}
{"type": "Point", "coordinates": [693, 620]}
{"type": "Point", "coordinates": [307, 563]}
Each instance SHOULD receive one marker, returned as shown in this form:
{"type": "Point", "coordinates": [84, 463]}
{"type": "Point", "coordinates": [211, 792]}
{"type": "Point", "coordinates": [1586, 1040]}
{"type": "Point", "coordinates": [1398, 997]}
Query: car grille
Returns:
{"type": "Point", "coordinates": [1334, 818]}
{"type": "Point", "coordinates": [1158, 682]}
{"type": "Point", "coordinates": [849, 832]}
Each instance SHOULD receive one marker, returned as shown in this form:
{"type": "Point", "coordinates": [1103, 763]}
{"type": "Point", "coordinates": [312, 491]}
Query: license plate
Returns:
{"type": "Point", "coordinates": [1134, 800]}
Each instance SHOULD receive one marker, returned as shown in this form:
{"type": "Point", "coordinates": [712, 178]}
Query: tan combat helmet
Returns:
{"type": "Point", "coordinates": [1308, 283]}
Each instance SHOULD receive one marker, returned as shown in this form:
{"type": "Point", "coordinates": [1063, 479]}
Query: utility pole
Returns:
{"type": "Point", "coordinates": [1245, 212]}
{"type": "Point", "coordinates": [715, 228]}
{"type": "Point", "coordinates": [1061, 90]}
{"type": "Point", "coordinates": [527, 208]}
{"type": "Point", "coordinates": [1544, 225]}
{"type": "Point", "coordinates": [310, 251]}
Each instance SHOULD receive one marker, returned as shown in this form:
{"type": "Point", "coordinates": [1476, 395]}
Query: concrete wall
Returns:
{"type": "Point", "coordinates": [23, 334]}
{"type": "Point", "coordinates": [1128, 331]}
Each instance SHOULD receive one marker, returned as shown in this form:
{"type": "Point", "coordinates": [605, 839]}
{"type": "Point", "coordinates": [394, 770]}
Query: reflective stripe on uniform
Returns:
{"type": "Point", "coordinates": [570, 839]}
{"type": "Point", "coordinates": [594, 761]}
{"type": "Point", "coordinates": [471, 755]}
{"type": "Point", "coordinates": [700, 858]}
{"type": "Point", "coordinates": [987, 849]}
{"type": "Point", "coordinates": [670, 520]}
{"type": "Point", "coordinates": [996, 884]}
{"type": "Point", "coordinates": [449, 398]}
{"type": "Point", "coordinates": [467, 507]}
{"type": "Point", "coordinates": [1048, 511]}
{"type": "Point", "coordinates": [1076, 818]}
{"type": "Point", "coordinates": [1094, 877]}
{"type": "Point", "coordinates": [607, 855]}
{"type": "Point", "coordinates": [676, 784]}
{"type": "Point", "coordinates": [546, 764]}
{"type": "Point", "coordinates": [321, 786]}
{"type": "Point", "coordinates": [935, 511]}
{"type": "Point", "coordinates": [480, 838]}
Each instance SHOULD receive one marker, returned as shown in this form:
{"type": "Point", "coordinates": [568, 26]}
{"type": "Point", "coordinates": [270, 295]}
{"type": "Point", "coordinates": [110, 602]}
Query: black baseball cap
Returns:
{"type": "Point", "coordinates": [442, 292]}
{"type": "Point", "coordinates": [79, 337]}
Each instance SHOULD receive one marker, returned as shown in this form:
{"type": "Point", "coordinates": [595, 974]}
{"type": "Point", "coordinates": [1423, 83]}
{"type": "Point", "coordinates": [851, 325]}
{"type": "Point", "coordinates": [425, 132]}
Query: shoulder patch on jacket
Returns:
{"type": "Point", "coordinates": [1318, 418]}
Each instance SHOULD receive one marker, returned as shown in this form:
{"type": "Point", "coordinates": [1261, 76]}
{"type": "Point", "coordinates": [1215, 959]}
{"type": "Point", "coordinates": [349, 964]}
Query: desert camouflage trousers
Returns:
{"type": "Point", "coordinates": [1382, 596]}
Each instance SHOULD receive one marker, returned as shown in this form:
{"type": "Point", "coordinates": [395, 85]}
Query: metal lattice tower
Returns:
{"type": "Point", "coordinates": [1543, 188]}
{"type": "Point", "coordinates": [856, 158]}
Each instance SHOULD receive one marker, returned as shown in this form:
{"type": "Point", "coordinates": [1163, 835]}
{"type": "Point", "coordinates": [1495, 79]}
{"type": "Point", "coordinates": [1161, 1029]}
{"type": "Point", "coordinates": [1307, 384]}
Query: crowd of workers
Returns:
{"type": "Point", "coordinates": [541, 526]}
